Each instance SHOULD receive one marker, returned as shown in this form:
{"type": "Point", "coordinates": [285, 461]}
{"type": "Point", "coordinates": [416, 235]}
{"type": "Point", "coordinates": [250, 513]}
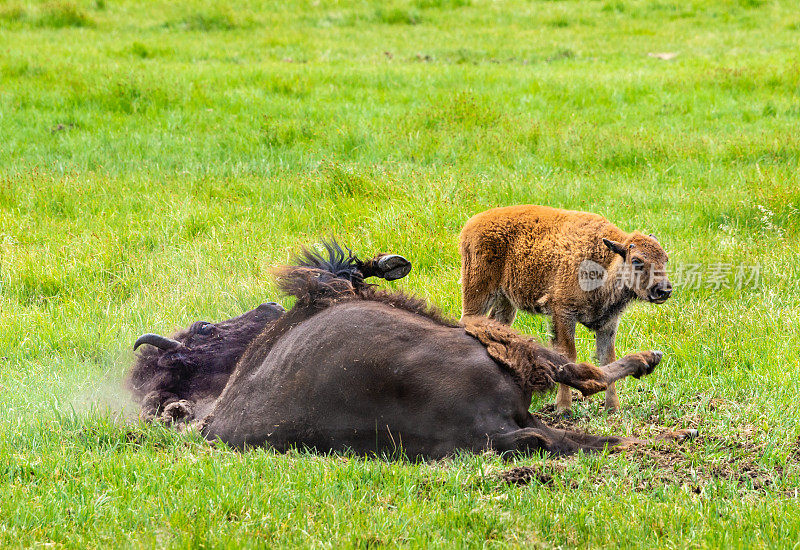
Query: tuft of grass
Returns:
{"type": "Point", "coordinates": [140, 50]}
{"type": "Point", "coordinates": [11, 13]}
{"type": "Point", "coordinates": [614, 7]}
{"type": "Point", "coordinates": [442, 4]}
{"type": "Point", "coordinates": [209, 21]}
{"type": "Point", "coordinates": [61, 14]}
{"type": "Point", "coordinates": [560, 54]}
{"type": "Point", "coordinates": [398, 16]}
{"type": "Point", "coordinates": [464, 110]}
{"type": "Point", "coordinates": [130, 96]}
{"type": "Point", "coordinates": [16, 68]}
{"type": "Point", "coordinates": [559, 22]}
{"type": "Point", "coordinates": [347, 182]}
{"type": "Point", "coordinates": [285, 132]}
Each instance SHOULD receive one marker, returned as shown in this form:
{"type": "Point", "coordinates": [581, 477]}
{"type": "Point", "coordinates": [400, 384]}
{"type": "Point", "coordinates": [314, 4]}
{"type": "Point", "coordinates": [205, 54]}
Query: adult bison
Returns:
{"type": "Point", "coordinates": [179, 378]}
{"type": "Point", "coordinates": [354, 368]}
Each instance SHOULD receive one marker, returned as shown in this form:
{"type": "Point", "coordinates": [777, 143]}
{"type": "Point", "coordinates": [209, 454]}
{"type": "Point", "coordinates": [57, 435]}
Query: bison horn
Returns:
{"type": "Point", "coordinates": [161, 342]}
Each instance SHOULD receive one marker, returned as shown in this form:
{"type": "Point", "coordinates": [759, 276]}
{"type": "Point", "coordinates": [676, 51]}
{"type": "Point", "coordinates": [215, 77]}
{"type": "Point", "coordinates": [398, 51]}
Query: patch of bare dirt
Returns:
{"type": "Point", "coordinates": [672, 464]}
{"type": "Point", "coordinates": [735, 458]}
{"type": "Point", "coordinates": [543, 475]}
{"type": "Point", "coordinates": [554, 419]}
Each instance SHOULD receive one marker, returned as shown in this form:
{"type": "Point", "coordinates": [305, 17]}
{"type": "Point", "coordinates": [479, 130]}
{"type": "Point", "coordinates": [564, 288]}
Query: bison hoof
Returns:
{"type": "Point", "coordinates": [653, 360]}
{"type": "Point", "coordinates": [177, 412]}
{"type": "Point", "coordinates": [686, 434]}
{"type": "Point", "coordinates": [643, 362]}
{"type": "Point", "coordinates": [680, 435]}
{"type": "Point", "coordinates": [392, 267]}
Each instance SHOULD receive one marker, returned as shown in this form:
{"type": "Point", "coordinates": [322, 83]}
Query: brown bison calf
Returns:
{"type": "Point", "coordinates": [575, 267]}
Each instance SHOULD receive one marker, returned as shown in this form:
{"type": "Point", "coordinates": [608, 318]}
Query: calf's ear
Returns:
{"type": "Point", "coordinates": [653, 237]}
{"type": "Point", "coordinates": [615, 247]}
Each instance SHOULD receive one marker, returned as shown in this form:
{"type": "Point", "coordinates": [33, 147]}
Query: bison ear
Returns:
{"type": "Point", "coordinates": [615, 247]}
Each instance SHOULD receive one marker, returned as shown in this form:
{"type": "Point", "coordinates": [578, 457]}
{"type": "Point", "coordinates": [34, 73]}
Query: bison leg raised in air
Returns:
{"type": "Point", "coordinates": [589, 379]}
{"type": "Point", "coordinates": [386, 266]}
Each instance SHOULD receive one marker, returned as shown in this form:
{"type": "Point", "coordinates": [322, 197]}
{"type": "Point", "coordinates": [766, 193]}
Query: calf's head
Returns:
{"type": "Point", "coordinates": [644, 267]}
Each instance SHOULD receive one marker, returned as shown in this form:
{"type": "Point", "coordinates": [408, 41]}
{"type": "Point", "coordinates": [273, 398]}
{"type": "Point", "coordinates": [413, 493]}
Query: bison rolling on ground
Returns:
{"type": "Point", "coordinates": [352, 368]}
{"type": "Point", "coordinates": [575, 267]}
{"type": "Point", "coordinates": [179, 378]}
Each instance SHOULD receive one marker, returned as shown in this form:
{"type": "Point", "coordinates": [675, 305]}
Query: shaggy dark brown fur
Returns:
{"type": "Point", "coordinates": [317, 290]}
{"type": "Point", "coordinates": [533, 257]}
{"type": "Point", "coordinates": [375, 372]}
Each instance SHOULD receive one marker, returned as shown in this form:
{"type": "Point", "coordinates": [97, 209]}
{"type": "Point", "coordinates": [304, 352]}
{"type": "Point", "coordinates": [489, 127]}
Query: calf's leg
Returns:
{"type": "Point", "coordinates": [564, 342]}
{"type": "Point", "coordinates": [475, 299]}
{"type": "Point", "coordinates": [604, 340]}
{"type": "Point", "coordinates": [479, 283]}
{"type": "Point", "coordinates": [503, 310]}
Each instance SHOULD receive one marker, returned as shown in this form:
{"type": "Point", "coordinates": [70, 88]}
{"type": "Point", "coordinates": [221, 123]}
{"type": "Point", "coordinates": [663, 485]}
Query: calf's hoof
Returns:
{"type": "Point", "coordinates": [611, 399]}
{"type": "Point", "coordinates": [392, 267]}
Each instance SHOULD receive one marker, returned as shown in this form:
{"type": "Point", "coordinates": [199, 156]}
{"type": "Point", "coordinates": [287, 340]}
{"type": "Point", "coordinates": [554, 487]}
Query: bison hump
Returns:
{"type": "Point", "coordinates": [522, 356]}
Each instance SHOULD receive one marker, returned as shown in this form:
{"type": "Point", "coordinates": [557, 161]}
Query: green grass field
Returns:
{"type": "Point", "coordinates": [158, 158]}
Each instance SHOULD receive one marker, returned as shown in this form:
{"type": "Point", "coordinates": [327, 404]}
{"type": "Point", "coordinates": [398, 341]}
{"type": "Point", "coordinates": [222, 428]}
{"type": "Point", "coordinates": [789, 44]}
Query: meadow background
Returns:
{"type": "Point", "coordinates": [157, 158]}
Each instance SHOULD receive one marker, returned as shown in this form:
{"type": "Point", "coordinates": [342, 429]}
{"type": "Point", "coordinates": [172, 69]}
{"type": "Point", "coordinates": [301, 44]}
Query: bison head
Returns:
{"type": "Point", "coordinates": [644, 267]}
{"type": "Point", "coordinates": [195, 363]}
{"type": "Point", "coordinates": [205, 343]}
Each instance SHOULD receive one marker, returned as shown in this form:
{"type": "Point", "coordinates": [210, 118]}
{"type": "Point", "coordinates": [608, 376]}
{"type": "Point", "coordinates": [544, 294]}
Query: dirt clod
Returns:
{"type": "Point", "coordinates": [522, 475]}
